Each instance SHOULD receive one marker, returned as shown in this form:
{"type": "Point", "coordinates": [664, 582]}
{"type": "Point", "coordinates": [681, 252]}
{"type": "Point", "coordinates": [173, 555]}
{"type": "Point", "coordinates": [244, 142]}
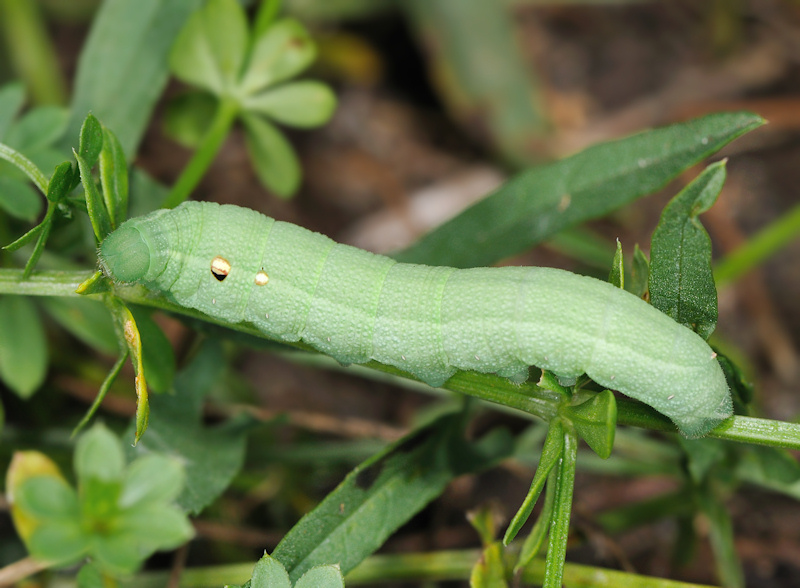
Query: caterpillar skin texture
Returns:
{"type": "Point", "coordinates": [292, 284]}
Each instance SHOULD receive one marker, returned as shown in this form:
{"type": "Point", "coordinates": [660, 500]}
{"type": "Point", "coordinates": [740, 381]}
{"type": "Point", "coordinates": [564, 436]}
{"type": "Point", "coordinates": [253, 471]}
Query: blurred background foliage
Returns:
{"type": "Point", "coordinates": [439, 101]}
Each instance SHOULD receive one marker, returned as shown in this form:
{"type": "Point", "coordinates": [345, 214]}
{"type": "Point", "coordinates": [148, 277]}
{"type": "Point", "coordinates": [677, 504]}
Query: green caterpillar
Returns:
{"type": "Point", "coordinates": [237, 265]}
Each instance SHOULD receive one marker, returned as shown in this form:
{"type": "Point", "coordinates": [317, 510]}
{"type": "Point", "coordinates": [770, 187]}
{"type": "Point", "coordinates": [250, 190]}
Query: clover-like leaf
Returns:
{"type": "Point", "coordinates": [211, 48]}
{"type": "Point", "coordinates": [284, 50]}
{"type": "Point", "coordinates": [99, 455]}
{"type": "Point", "coordinates": [302, 104]}
{"type": "Point", "coordinates": [151, 478]}
{"type": "Point", "coordinates": [273, 156]}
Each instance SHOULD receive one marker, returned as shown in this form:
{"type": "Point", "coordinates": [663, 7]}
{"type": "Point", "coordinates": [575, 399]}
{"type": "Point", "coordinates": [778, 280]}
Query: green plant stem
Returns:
{"type": "Point", "coordinates": [208, 149]}
{"type": "Point", "coordinates": [528, 397]}
{"type": "Point", "coordinates": [431, 566]}
{"type": "Point", "coordinates": [759, 247]}
{"type": "Point", "coordinates": [26, 165]}
{"type": "Point", "coordinates": [32, 54]}
{"type": "Point", "coordinates": [559, 526]}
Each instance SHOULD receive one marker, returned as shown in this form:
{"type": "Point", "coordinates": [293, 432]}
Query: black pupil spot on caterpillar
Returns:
{"type": "Point", "coordinates": [220, 267]}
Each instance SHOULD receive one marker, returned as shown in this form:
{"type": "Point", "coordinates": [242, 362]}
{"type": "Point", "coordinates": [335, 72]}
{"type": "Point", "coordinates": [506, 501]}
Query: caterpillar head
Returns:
{"type": "Point", "coordinates": [125, 254]}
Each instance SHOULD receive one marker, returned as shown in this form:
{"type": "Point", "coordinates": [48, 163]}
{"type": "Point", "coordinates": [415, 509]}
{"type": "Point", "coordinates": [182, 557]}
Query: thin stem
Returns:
{"type": "Point", "coordinates": [430, 566]}
{"type": "Point", "coordinates": [112, 375]}
{"type": "Point", "coordinates": [202, 158]}
{"type": "Point", "coordinates": [26, 165]}
{"type": "Point", "coordinates": [526, 397]}
{"type": "Point", "coordinates": [559, 528]}
{"type": "Point", "coordinates": [759, 247]}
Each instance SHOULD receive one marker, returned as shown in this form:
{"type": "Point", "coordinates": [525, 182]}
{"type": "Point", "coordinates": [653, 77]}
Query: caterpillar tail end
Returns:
{"type": "Point", "coordinates": [700, 425]}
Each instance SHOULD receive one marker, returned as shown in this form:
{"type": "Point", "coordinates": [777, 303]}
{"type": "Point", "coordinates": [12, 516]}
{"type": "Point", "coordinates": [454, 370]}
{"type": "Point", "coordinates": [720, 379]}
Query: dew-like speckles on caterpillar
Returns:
{"type": "Point", "coordinates": [293, 284]}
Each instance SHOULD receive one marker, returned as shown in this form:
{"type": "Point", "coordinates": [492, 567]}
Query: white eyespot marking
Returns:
{"type": "Point", "coordinates": [261, 278]}
{"type": "Point", "coordinates": [213, 301]}
{"type": "Point", "coordinates": [404, 357]}
{"type": "Point", "coordinates": [329, 339]}
{"type": "Point", "coordinates": [477, 358]}
{"type": "Point", "coordinates": [612, 377]}
{"type": "Point", "coordinates": [266, 315]}
{"type": "Point", "coordinates": [670, 397]}
{"type": "Point", "coordinates": [713, 355]}
{"type": "Point", "coordinates": [220, 267]}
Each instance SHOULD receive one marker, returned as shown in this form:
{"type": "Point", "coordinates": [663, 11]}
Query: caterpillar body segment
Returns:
{"type": "Point", "coordinates": [292, 284]}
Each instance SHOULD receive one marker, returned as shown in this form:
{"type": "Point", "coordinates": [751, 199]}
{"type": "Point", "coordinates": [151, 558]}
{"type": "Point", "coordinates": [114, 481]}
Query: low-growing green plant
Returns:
{"type": "Point", "coordinates": [117, 516]}
{"type": "Point", "coordinates": [129, 503]}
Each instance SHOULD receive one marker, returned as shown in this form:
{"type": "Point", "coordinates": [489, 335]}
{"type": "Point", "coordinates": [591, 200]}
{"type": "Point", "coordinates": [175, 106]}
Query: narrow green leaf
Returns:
{"type": "Point", "coordinates": [283, 51]}
{"type": "Point", "coordinates": [269, 573]}
{"type": "Point", "coordinates": [91, 140]}
{"type": "Point", "coordinates": [25, 239]}
{"type": "Point", "coordinates": [640, 272]}
{"type": "Point", "coordinates": [273, 156]}
{"type": "Point", "coordinates": [101, 222]}
{"type": "Point", "coordinates": [21, 162]}
{"type": "Point", "coordinates": [60, 182]}
{"type": "Point", "coordinates": [539, 202]}
{"type": "Point", "coordinates": [96, 284]}
{"type": "Point", "coordinates": [681, 281]}
{"type": "Point", "coordinates": [41, 241]}
{"type": "Point", "coordinates": [759, 247]}
{"type": "Point", "coordinates": [382, 493]}
{"type": "Point", "coordinates": [304, 104]}
{"type": "Point", "coordinates": [19, 200]}
{"type": "Point", "coordinates": [210, 50]}
{"type": "Point", "coordinates": [128, 331]}
{"type": "Point", "coordinates": [552, 452]}
{"type": "Point", "coordinates": [114, 178]}
{"type": "Point", "coordinates": [534, 541]}
{"type": "Point", "coordinates": [559, 526]}
{"type": "Point", "coordinates": [595, 421]}
{"type": "Point", "coordinates": [123, 67]}
{"type": "Point", "coordinates": [158, 356]}
{"type": "Point", "coordinates": [211, 455]}
{"type": "Point", "coordinates": [617, 274]}
{"type": "Point", "coordinates": [23, 346]}
{"type": "Point", "coordinates": [12, 97]}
